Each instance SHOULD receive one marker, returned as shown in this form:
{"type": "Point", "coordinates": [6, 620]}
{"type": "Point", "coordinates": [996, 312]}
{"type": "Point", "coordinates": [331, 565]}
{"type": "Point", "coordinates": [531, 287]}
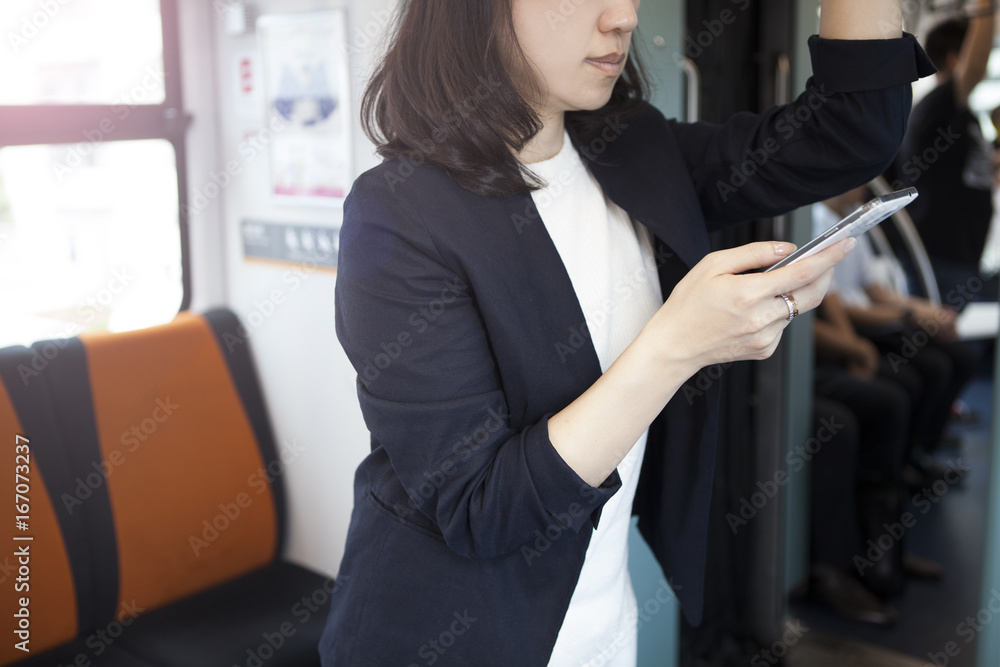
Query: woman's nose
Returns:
{"type": "Point", "coordinates": [620, 15]}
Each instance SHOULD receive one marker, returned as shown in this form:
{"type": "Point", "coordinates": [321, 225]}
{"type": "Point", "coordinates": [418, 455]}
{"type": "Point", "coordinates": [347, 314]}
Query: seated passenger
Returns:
{"type": "Point", "coordinates": [917, 338]}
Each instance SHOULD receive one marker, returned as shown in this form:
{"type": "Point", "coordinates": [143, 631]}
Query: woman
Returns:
{"type": "Point", "coordinates": [500, 293]}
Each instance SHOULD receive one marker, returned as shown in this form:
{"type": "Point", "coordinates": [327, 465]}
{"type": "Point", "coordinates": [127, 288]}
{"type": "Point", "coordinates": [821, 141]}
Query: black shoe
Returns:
{"type": "Point", "coordinates": [847, 597]}
{"type": "Point", "coordinates": [922, 568]}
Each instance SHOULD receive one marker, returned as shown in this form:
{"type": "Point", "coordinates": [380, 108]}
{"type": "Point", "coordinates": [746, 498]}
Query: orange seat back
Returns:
{"type": "Point", "coordinates": [188, 486]}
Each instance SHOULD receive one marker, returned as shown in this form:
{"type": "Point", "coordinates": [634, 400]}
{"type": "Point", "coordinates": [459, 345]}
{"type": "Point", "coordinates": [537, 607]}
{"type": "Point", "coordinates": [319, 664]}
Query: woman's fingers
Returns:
{"type": "Point", "coordinates": [750, 256]}
{"type": "Point", "coordinates": [806, 271]}
{"type": "Point", "coordinates": [769, 337]}
{"type": "Point", "coordinates": [805, 298]}
{"type": "Point", "coordinates": [739, 316]}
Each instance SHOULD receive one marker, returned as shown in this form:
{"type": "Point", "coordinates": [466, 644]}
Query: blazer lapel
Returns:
{"type": "Point", "coordinates": [654, 190]}
{"type": "Point", "coordinates": [535, 300]}
{"type": "Point", "coordinates": [526, 271]}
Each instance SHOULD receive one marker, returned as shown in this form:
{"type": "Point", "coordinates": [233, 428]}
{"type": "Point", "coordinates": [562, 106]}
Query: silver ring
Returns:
{"type": "Point", "coordinates": [793, 308]}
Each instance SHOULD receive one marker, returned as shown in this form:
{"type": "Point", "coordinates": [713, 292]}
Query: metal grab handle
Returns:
{"type": "Point", "coordinates": [782, 92]}
{"type": "Point", "coordinates": [783, 79]}
{"type": "Point", "coordinates": [693, 75]}
{"type": "Point", "coordinates": [911, 238]}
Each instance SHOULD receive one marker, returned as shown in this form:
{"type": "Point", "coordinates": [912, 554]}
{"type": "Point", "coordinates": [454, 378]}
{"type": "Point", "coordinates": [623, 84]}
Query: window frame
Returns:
{"type": "Point", "coordinates": [64, 124]}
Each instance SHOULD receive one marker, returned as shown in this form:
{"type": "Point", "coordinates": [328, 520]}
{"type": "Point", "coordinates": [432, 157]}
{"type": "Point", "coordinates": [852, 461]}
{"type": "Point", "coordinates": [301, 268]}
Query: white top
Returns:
{"type": "Point", "coordinates": [610, 260]}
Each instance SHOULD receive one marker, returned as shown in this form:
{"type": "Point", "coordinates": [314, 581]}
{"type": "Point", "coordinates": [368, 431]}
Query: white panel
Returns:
{"type": "Point", "coordinates": [307, 381]}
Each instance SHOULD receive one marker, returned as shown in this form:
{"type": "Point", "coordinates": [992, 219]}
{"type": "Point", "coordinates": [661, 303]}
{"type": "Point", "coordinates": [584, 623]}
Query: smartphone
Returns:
{"type": "Point", "coordinates": [854, 225]}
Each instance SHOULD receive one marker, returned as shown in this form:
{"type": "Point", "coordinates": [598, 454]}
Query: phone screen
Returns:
{"type": "Point", "coordinates": [854, 225]}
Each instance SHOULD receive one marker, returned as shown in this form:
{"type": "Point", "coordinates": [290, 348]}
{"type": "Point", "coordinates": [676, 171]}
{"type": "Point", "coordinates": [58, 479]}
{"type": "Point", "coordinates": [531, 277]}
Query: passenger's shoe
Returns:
{"type": "Point", "coordinates": [847, 597]}
{"type": "Point", "coordinates": [922, 568]}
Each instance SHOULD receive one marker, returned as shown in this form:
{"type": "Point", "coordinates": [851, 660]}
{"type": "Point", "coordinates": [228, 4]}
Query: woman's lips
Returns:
{"type": "Point", "coordinates": [610, 64]}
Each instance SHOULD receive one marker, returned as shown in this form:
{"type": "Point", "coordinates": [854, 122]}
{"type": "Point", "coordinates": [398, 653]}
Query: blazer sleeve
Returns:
{"type": "Point", "coordinates": [430, 392]}
{"type": "Point", "coordinates": [841, 132]}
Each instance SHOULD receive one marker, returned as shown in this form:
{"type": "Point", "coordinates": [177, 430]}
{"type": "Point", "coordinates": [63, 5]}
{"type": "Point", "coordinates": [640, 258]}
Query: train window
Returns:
{"type": "Point", "coordinates": [96, 246]}
{"type": "Point", "coordinates": [60, 52]}
{"type": "Point", "coordinates": [92, 167]}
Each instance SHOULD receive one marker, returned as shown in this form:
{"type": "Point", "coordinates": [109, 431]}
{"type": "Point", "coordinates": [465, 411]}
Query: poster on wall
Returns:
{"type": "Point", "coordinates": [307, 89]}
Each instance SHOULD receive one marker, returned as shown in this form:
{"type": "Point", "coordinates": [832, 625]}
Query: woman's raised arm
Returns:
{"type": "Point", "coordinates": [861, 19]}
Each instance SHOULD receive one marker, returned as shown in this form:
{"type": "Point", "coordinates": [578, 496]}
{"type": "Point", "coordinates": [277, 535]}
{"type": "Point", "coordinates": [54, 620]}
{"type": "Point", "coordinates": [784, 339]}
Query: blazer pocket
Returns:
{"type": "Point", "coordinates": [406, 516]}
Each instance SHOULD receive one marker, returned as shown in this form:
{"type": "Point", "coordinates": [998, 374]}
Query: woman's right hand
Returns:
{"type": "Point", "coordinates": [719, 314]}
{"type": "Point", "coordinates": [713, 315]}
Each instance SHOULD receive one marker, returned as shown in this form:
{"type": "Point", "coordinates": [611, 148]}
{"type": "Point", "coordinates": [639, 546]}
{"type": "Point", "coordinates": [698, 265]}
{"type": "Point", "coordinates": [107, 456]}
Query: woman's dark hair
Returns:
{"type": "Point", "coordinates": [443, 94]}
{"type": "Point", "coordinates": [944, 38]}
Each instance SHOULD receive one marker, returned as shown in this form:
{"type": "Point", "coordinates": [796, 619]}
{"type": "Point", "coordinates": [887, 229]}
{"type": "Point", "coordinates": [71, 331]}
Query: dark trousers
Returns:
{"type": "Point", "coordinates": [882, 410]}
{"type": "Point", "coordinates": [835, 537]}
{"type": "Point", "coordinates": [933, 374]}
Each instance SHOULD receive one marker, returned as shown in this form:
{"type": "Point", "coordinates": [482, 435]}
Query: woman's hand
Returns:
{"type": "Point", "coordinates": [713, 315]}
{"type": "Point", "coordinates": [716, 315]}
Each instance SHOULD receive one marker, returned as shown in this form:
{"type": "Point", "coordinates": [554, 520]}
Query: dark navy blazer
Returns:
{"type": "Point", "coordinates": [469, 531]}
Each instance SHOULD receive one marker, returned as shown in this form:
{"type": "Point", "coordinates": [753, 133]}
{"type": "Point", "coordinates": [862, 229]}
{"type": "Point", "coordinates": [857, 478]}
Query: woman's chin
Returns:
{"type": "Point", "coordinates": [592, 103]}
